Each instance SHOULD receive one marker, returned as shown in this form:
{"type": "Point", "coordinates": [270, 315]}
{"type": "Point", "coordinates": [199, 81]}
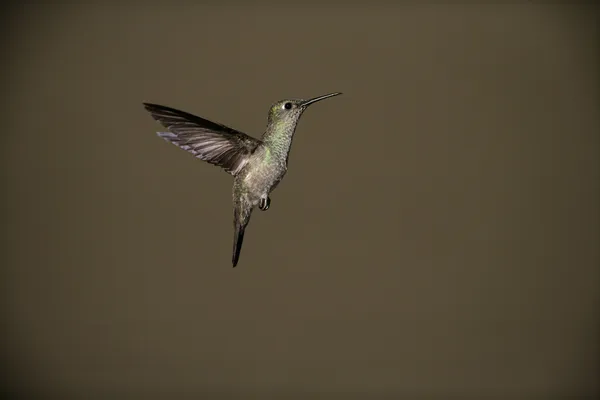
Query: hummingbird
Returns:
{"type": "Point", "coordinates": [257, 165]}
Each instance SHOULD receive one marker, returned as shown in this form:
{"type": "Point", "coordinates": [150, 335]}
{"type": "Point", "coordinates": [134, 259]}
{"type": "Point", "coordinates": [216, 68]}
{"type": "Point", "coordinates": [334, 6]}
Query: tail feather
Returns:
{"type": "Point", "coordinates": [238, 239]}
{"type": "Point", "coordinates": [241, 217]}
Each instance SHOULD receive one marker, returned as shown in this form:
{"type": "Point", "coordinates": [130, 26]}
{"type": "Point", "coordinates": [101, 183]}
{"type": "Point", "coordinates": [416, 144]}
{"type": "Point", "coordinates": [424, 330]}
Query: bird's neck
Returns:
{"type": "Point", "coordinates": [278, 140]}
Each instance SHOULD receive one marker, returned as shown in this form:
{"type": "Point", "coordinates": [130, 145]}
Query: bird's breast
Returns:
{"type": "Point", "coordinates": [261, 177]}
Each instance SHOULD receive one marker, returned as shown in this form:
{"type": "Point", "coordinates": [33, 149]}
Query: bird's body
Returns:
{"type": "Point", "coordinates": [256, 165]}
{"type": "Point", "coordinates": [254, 182]}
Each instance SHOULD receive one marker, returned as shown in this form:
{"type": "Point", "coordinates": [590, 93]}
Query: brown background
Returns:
{"type": "Point", "coordinates": [436, 235]}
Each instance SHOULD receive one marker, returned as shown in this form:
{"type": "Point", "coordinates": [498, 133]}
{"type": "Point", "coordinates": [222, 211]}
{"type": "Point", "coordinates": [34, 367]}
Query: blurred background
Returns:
{"type": "Point", "coordinates": [436, 235]}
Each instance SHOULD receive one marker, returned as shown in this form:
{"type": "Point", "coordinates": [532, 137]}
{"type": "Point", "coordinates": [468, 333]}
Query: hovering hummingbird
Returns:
{"type": "Point", "coordinates": [257, 166]}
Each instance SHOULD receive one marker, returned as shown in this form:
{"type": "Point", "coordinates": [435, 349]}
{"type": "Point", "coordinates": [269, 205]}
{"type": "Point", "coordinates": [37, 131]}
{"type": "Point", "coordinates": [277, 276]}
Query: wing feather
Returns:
{"type": "Point", "coordinates": [207, 140]}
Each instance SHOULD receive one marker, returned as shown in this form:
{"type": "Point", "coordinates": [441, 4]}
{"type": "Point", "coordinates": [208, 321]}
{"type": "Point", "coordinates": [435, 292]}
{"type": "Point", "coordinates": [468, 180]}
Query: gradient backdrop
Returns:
{"type": "Point", "coordinates": [437, 235]}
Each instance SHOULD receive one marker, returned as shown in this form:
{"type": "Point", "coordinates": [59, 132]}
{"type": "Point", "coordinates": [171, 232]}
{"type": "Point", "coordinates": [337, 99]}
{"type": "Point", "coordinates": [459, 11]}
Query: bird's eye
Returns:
{"type": "Point", "coordinates": [287, 106]}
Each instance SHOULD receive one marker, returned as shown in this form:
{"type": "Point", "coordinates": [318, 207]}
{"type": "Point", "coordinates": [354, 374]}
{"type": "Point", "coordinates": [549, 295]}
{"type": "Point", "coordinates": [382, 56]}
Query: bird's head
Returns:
{"type": "Point", "coordinates": [289, 111]}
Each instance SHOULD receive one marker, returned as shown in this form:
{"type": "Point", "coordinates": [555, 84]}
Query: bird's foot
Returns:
{"type": "Point", "coordinates": [264, 203]}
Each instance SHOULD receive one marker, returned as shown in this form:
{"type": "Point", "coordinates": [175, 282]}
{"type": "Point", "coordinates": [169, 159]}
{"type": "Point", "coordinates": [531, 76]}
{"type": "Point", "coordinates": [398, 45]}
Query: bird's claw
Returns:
{"type": "Point", "coordinates": [264, 203]}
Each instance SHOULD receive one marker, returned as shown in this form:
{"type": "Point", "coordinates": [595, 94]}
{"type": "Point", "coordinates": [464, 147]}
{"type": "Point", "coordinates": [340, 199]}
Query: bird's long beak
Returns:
{"type": "Point", "coordinates": [314, 100]}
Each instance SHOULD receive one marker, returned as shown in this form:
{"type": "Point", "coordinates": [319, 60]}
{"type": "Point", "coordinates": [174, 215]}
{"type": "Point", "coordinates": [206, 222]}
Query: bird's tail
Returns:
{"type": "Point", "coordinates": [240, 221]}
{"type": "Point", "coordinates": [238, 239]}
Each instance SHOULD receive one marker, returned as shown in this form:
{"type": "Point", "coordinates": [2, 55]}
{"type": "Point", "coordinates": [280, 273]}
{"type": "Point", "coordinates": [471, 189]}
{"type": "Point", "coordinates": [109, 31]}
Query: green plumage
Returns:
{"type": "Point", "coordinates": [256, 165]}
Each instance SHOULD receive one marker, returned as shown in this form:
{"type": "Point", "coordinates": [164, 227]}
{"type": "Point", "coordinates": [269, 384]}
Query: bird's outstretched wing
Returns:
{"type": "Point", "coordinates": [206, 140]}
